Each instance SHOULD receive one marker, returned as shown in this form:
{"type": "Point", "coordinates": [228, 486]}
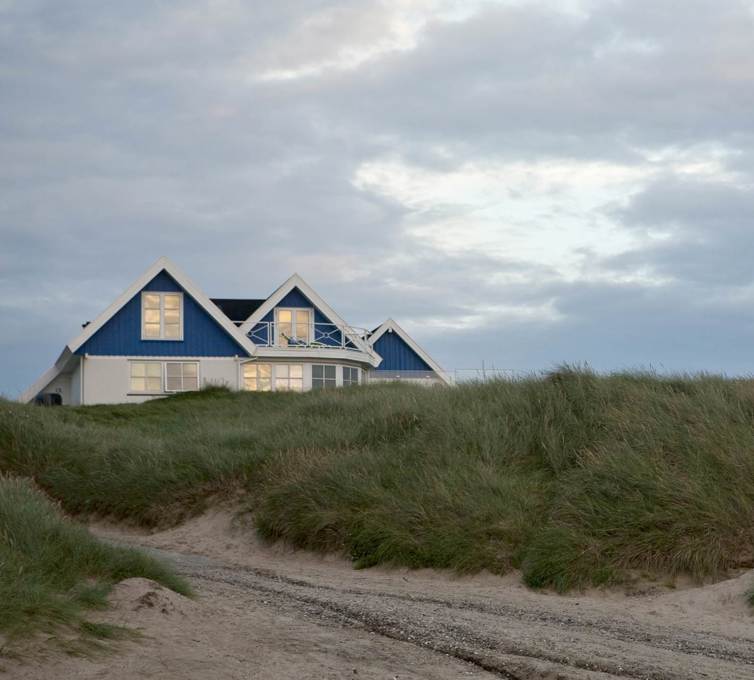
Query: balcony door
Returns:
{"type": "Point", "coordinates": [293, 327]}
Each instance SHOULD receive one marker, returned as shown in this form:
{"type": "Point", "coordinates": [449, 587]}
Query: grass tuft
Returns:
{"type": "Point", "coordinates": [576, 478]}
{"type": "Point", "coordinates": [52, 570]}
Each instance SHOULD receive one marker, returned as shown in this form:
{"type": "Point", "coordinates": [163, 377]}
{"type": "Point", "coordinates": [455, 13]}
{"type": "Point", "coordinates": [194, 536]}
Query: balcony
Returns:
{"type": "Point", "coordinates": [305, 336]}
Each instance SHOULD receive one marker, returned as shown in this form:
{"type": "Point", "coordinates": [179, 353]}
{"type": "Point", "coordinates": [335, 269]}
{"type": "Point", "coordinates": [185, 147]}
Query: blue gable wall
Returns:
{"type": "Point", "coordinates": [202, 335]}
{"type": "Point", "coordinates": [324, 330]}
{"type": "Point", "coordinates": [397, 355]}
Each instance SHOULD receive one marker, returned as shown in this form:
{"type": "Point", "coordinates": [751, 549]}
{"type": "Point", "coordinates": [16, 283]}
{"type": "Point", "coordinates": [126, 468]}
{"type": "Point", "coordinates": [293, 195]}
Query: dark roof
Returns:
{"type": "Point", "coordinates": [237, 310]}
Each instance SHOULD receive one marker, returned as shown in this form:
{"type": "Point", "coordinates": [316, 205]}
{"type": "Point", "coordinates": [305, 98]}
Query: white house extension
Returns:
{"type": "Point", "coordinates": [164, 335]}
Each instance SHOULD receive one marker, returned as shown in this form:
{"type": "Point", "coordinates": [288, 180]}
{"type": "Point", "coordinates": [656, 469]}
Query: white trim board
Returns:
{"type": "Point", "coordinates": [391, 325]}
{"type": "Point", "coordinates": [296, 281]}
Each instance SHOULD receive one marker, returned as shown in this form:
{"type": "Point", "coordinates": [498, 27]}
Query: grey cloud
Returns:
{"type": "Point", "coordinates": [708, 231]}
{"type": "Point", "coordinates": [137, 129]}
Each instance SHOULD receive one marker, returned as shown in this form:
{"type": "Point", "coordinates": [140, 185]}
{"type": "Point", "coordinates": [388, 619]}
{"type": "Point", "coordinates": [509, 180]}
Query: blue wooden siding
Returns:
{"type": "Point", "coordinates": [325, 332]}
{"type": "Point", "coordinates": [397, 355]}
{"type": "Point", "coordinates": [202, 335]}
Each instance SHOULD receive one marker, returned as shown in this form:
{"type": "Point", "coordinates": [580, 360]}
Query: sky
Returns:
{"type": "Point", "coordinates": [519, 183]}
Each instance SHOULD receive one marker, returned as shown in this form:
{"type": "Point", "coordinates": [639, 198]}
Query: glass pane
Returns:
{"type": "Point", "coordinates": [296, 385]}
{"type": "Point", "coordinates": [172, 301]}
{"type": "Point", "coordinates": [173, 370]}
{"type": "Point", "coordinates": [154, 384]}
{"type": "Point", "coordinates": [296, 371]}
{"type": "Point", "coordinates": [191, 383]}
{"type": "Point", "coordinates": [330, 372]}
{"type": "Point", "coordinates": [281, 371]}
{"type": "Point", "coordinates": [173, 384]}
{"type": "Point", "coordinates": [152, 316]}
{"type": "Point", "coordinates": [285, 316]}
{"type": "Point", "coordinates": [317, 384]}
{"type": "Point", "coordinates": [265, 384]}
{"type": "Point", "coordinates": [138, 384]}
{"type": "Point", "coordinates": [151, 301]}
{"type": "Point", "coordinates": [151, 330]}
{"type": "Point", "coordinates": [281, 384]}
{"type": "Point", "coordinates": [250, 384]}
{"type": "Point", "coordinates": [154, 370]}
{"type": "Point", "coordinates": [264, 370]}
{"type": "Point", "coordinates": [171, 316]}
{"type": "Point", "coordinates": [249, 371]}
{"type": "Point", "coordinates": [172, 330]}
{"type": "Point", "coordinates": [317, 372]}
{"type": "Point", "coordinates": [190, 370]}
{"type": "Point", "coordinates": [138, 369]}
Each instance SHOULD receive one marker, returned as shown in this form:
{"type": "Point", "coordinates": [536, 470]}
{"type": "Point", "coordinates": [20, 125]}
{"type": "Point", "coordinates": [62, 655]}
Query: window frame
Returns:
{"type": "Point", "coordinates": [349, 382]}
{"type": "Point", "coordinates": [162, 336]}
{"type": "Point", "coordinates": [325, 383]}
{"type": "Point", "coordinates": [131, 364]}
{"type": "Point", "coordinates": [182, 376]}
{"type": "Point", "coordinates": [270, 379]}
{"type": "Point", "coordinates": [279, 378]}
{"type": "Point", "coordinates": [279, 340]}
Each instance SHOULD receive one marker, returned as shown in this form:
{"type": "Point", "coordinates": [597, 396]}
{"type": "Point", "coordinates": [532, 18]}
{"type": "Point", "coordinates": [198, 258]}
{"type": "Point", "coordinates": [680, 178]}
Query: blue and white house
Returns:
{"type": "Point", "coordinates": [164, 335]}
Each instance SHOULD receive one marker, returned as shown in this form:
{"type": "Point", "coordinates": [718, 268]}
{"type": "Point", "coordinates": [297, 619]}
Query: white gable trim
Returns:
{"type": "Point", "coordinates": [391, 325]}
{"type": "Point", "coordinates": [296, 281]}
{"type": "Point", "coordinates": [35, 388]}
{"type": "Point", "coordinates": [182, 280]}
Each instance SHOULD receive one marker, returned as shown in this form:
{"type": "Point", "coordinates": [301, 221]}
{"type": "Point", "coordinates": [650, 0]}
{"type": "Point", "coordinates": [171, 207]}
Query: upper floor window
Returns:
{"type": "Point", "coordinates": [161, 316]}
{"type": "Point", "coordinates": [323, 376]}
{"type": "Point", "coordinates": [294, 326]}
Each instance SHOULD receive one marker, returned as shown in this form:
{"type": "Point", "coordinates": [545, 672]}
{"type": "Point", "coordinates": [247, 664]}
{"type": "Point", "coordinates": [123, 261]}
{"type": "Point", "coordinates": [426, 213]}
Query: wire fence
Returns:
{"type": "Point", "coordinates": [454, 376]}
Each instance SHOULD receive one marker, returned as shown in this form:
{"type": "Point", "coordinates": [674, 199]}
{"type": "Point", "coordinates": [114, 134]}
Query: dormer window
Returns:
{"type": "Point", "coordinates": [161, 316]}
{"type": "Point", "coordinates": [293, 326]}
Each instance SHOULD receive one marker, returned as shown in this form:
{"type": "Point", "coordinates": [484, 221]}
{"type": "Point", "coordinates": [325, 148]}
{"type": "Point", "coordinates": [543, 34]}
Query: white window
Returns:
{"type": "Point", "coordinates": [322, 376]}
{"type": "Point", "coordinates": [257, 377]}
{"type": "Point", "coordinates": [350, 376]}
{"type": "Point", "coordinates": [294, 327]}
{"type": "Point", "coordinates": [181, 376]}
{"type": "Point", "coordinates": [146, 376]}
{"type": "Point", "coordinates": [289, 377]}
{"type": "Point", "coordinates": [161, 316]}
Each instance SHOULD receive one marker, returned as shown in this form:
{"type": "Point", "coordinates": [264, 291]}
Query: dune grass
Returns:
{"type": "Point", "coordinates": [574, 478]}
{"type": "Point", "coordinates": [52, 570]}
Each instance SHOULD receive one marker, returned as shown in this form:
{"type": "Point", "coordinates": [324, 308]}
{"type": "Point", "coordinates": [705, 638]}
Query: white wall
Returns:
{"type": "Point", "coordinates": [62, 386]}
{"type": "Point", "coordinates": [76, 385]}
{"type": "Point", "coordinates": [107, 379]}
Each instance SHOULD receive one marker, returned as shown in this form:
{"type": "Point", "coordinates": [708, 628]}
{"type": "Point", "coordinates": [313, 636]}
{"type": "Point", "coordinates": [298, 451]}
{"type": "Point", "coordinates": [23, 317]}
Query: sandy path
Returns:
{"type": "Point", "coordinates": [269, 613]}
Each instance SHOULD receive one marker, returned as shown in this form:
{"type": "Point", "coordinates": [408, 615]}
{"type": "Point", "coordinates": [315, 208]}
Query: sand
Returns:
{"type": "Point", "coordinates": [270, 612]}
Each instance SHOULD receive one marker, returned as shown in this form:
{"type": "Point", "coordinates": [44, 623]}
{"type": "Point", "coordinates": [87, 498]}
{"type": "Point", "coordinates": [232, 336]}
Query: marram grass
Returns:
{"type": "Point", "coordinates": [574, 478]}
{"type": "Point", "coordinates": [52, 570]}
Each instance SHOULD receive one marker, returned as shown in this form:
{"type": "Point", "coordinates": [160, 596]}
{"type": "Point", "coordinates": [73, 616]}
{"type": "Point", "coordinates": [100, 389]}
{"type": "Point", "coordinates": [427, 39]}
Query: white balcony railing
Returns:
{"type": "Point", "coordinates": [308, 336]}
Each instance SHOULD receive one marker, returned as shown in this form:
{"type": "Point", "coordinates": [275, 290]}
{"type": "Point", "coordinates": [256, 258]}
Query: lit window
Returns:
{"type": "Point", "coordinates": [146, 376]}
{"type": "Point", "coordinates": [293, 327]}
{"type": "Point", "coordinates": [181, 376]}
{"type": "Point", "coordinates": [257, 377]}
{"type": "Point", "coordinates": [161, 316]}
{"type": "Point", "coordinates": [350, 376]}
{"type": "Point", "coordinates": [323, 376]}
{"type": "Point", "coordinates": [289, 377]}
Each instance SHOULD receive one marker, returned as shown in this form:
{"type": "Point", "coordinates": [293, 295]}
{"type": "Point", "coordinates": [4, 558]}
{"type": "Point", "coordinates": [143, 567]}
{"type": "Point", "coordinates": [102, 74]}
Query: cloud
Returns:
{"type": "Point", "coordinates": [519, 182]}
